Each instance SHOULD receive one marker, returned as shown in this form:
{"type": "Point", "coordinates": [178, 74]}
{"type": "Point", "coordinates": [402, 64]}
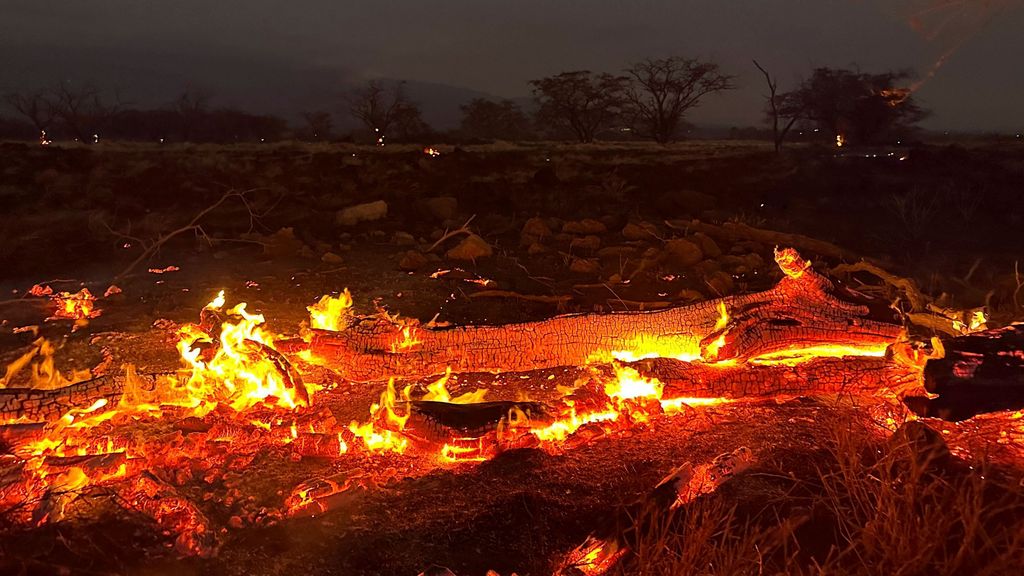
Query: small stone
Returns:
{"type": "Point", "coordinates": [534, 230]}
{"type": "Point", "coordinates": [412, 261]}
{"type": "Point", "coordinates": [367, 212]}
{"type": "Point", "coordinates": [720, 283]}
{"type": "Point", "coordinates": [536, 248]}
{"type": "Point", "coordinates": [582, 227]}
{"type": "Point", "coordinates": [471, 248]}
{"type": "Point", "coordinates": [690, 295]}
{"type": "Point", "coordinates": [589, 243]}
{"type": "Point", "coordinates": [639, 231]}
{"type": "Point", "coordinates": [708, 267]}
{"type": "Point", "coordinates": [331, 258]}
{"type": "Point", "coordinates": [682, 253]}
{"type": "Point", "coordinates": [617, 252]}
{"type": "Point", "coordinates": [920, 444]}
{"type": "Point", "coordinates": [707, 245]}
{"type": "Point", "coordinates": [235, 522]}
{"type": "Point", "coordinates": [443, 207]}
{"type": "Point", "coordinates": [403, 239]}
{"type": "Point", "coordinates": [585, 266]}
{"type": "Point", "coordinates": [282, 244]}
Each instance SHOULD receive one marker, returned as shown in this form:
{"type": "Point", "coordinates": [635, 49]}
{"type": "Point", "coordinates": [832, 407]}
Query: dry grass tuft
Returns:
{"type": "Point", "coordinates": [862, 508]}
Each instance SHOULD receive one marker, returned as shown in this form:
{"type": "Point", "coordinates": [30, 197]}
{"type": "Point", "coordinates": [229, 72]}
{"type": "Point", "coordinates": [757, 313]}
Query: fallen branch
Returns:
{"type": "Point", "coordinates": [151, 248]}
{"type": "Point", "coordinates": [559, 300]}
{"type": "Point", "coordinates": [918, 302]}
{"type": "Point", "coordinates": [464, 229]}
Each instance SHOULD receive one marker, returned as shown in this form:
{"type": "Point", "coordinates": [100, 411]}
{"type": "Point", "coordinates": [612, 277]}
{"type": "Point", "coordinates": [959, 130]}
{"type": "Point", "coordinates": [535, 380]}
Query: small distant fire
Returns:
{"type": "Point", "coordinates": [431, 151]}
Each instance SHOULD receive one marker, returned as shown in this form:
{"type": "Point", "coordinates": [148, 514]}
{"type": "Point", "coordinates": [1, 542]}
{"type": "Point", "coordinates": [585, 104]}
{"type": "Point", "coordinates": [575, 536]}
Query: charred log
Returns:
{"type": "Point", "coordinates": [32, 405]}
{"type": "Point", "coordinates": [443, 421]}
{"type": "Point", "coordinates": [803, 310]}
{"type": "Point", "coordinates": [980, 372]}
{"type": "Point", "coordinates": [854, 376]}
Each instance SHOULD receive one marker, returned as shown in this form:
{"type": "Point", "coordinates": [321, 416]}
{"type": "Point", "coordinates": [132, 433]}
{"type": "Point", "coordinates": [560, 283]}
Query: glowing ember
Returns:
{"type": "Point", "coordinates": [78, 306]}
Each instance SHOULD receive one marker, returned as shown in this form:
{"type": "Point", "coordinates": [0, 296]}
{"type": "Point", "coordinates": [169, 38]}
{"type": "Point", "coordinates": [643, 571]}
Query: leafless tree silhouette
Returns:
{"type": "Point", "coordinates": [663, 90]}
{"type": "Point", "coordinates": [580, 102]}
{"type": "Point", "coordinates": [384, 110]}
{"type": "Point", "coordinates": [777, 113]}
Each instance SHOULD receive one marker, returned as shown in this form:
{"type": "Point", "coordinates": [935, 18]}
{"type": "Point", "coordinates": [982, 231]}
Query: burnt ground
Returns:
{"type": "Point", "coordinates": [946, 215]}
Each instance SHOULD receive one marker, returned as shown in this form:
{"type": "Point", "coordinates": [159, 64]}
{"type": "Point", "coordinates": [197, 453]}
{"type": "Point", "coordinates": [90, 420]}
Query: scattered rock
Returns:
{"type": "Point", "coordinates": [681, 252]}
{"type": "Point", "coordinates": [585, 266]}
{"type": "Point", "coordinates": [403, 239]}
{"type": "Point", "coordinates": [331, 258]}
{"type": "Point", "coordinates": [639, 231]}
{"type": "Point", "coordinates": [920, 444]}
{"type": "Point", "coordinates": [720, 283]}
{"type": "Point", "coordinates": [282, 244]}
{"type": "Point", "coordinates": [708, 267]}
{"type": "Point", "coordinates": [690, 295]}
{"type": "Point", "coordinates": [617, 252]}
{"type": "Point", "coordinates": [443, 207]}
{"type": "Point", "coordinates": [589, 243]}
{"type": "Point", "coordinates": [534, 230]}
{"type": "Point", "coordinates": [412, 261]}
{"type": "Point", "coordinates": [536, 248]}
{"type": "Point", "coordinates": [707, 245]}
{"type": "Point", "coordinates": [750, 246]}
{"type": "Point", "coordinates": [583, 227]}
{"type": "Point", "coordinates": [471, 248]}
{"type": "Point", "coordinates": [367, 212]}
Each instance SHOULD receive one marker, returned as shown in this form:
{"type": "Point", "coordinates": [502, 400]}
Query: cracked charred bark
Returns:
{"type": "Point", "coordinates": [803, 310]}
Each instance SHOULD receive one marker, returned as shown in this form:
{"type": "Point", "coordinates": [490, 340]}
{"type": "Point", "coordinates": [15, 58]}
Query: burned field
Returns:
{"type": "Point", "coordinates": [531, 359]}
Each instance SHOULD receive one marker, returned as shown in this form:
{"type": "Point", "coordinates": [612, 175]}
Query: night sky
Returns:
{"type": "Point", "coordinates": [277, 55]}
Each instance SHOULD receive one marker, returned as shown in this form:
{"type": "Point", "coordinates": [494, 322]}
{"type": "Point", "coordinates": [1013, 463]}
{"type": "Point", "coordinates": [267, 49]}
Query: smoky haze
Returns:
{"type": "Point", "coordinates": [280, 57]}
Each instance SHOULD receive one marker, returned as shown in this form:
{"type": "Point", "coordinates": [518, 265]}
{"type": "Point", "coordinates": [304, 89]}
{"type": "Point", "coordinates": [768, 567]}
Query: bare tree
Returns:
{"type": "Point", "coordinates": [319, 124]}
{"type": "Point", "coordinates": [384, 109]}
{"type": "Point", "coordinates": [779, 111]}
{"type": "Point", "coordinates": [860, 107]}
{"type": "Point", "coordinates": [580, 102]}
{"type": "Point", "coordinates": [82, 110]}
{"type": "Point", "coordinates": [662, 90]}
{"type": "Point", "coordinates": [483, 118]}
{"type": "Point", "coordinates": [34, 106]}
{"type": "Point", "coordinates": [191, 106]}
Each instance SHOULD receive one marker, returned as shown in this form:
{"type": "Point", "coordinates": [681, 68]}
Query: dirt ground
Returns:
{"type": "Point", "coordinates": [586, 225]}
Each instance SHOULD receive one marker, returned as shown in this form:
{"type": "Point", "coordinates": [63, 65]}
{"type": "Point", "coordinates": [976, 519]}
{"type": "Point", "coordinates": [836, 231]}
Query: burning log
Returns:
{"type": "Point", "coordinates": [803, 310]}
{"type": "Point", "coordinates": [855, 375]}
{"type": "Point", "coordinates": [173, 512]}
{"type": "Point", "coordinates": [442, 422]}
{"type": "Point", "coordinates": [32, 405]}
{"type": "Point", "coordinates": [980, 372]}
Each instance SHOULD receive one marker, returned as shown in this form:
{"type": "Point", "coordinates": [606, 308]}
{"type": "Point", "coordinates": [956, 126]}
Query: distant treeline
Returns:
{"type": "Point", "coordinates": [651, 100]}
